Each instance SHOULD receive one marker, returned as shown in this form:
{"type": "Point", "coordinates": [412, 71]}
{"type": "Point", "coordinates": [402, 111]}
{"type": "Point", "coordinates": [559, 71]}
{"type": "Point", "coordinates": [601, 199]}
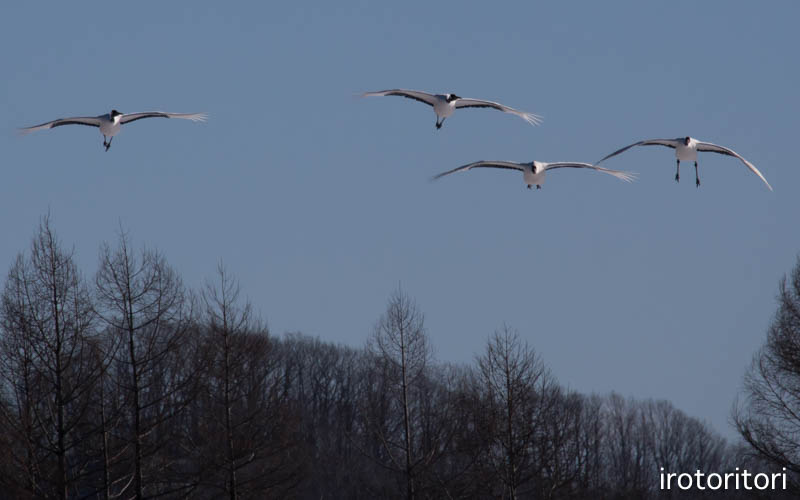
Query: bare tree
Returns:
{"type": "Point", "coordinates": [325, 385]}
{"type": "Point", "coordinates": [681, 443]}
{"type": "Point", "coordinates": [47, 326]}
{"type": "Point", "coordinates": [516, 389]}
{"type": "Point", "coordinates": [226, 322]}
{"type": "Point", "coordinates": [628, 447]}
{"type": "Point", "coordinates": [106, 415]}
{"type": "Point", "coordinates": [558, 443]}
{"type": "Point", "coordinates": [401, 354]}
{"type": "Point", "coordinates": [591, 481]}
{"type": "Point", "coordinates": [22, 430]}
{"type": "Point", "coordinates": [142, 301]}
{"type": "Point", "coordinates": [768, 414]}
{"type": "Point", "coordinates": [243, 417]}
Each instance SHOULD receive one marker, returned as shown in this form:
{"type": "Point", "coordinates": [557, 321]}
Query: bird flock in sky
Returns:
{"type": "Point", "coordinates": [444, 105]}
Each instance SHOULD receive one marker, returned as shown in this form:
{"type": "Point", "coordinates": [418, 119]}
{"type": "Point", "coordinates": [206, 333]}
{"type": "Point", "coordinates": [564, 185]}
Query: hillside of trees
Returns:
{"type": "Point", "coordinates": [126, 384]}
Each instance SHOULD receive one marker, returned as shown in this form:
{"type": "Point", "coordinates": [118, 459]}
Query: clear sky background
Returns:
{"type": "Point", "coordinates": [320, 202]}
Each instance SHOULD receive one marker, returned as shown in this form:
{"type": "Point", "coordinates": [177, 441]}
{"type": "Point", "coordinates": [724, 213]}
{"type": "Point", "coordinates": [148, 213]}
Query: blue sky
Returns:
{"type": "Point", "coordinates": [321, 204]}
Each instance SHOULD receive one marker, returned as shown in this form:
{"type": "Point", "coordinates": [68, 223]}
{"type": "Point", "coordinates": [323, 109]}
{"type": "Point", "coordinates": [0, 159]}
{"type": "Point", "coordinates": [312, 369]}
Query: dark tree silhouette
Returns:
{"type": "Point", "coordinates": [398, 388]}
{"type": "Point", "coordinates": [326, 384]}
{"type": "Point", "coordinates": [134, 392]}
{"type": "Point", "coordinates": [517, 393]}
{"type": "Point", "coordinates": [47, 367]}
{"type": "Point", "coordinates": [628, 448]}
{"type": "Point", "coordinates": [143, 303]}
{"type": "Point", "coordinates": [768, 414]}
{"type": "Point", "coordinates": [242, 421]}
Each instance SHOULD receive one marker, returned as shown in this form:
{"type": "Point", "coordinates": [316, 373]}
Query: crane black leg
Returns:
{"type": "Point", "coordinates": [678, 172]}
{"type": "Point", "coordinates": [696, 175]}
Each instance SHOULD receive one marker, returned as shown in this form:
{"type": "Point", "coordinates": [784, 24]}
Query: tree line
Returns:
{"type": "Point", "coordinates": [126, 384]}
